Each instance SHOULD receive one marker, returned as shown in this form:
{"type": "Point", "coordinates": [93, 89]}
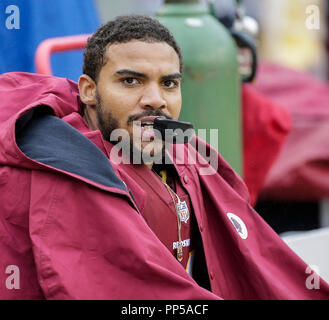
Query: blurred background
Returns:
{"type": "Point", "coordinates": [258, 71]}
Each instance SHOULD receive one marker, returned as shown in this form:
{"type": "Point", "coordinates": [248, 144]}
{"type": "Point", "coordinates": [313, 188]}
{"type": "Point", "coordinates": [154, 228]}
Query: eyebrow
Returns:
{"type": "Point", "coordinates": [172, 76]}
{"type": "Point", "coordinates": [131, 73]}
{"type": "Point", "coordinates": [143, 75]}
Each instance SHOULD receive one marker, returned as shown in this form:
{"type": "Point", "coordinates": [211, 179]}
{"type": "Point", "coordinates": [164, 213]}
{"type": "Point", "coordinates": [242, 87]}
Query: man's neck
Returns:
{"type": "Point", "coordinates": [89, 119]}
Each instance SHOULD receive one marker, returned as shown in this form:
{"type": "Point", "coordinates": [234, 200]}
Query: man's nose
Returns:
{"type": "Point", "coordinates": [152, 98]}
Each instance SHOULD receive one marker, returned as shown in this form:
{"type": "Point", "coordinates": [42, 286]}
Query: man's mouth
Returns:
{"type": "Point", "coordinates": [146, 124]}
{"type": "Point", "coordinates": [148, 121]}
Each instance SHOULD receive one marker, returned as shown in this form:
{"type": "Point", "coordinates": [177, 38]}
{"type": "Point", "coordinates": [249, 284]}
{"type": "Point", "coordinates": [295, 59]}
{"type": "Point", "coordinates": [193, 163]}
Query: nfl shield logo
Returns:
{"type": "Point", "coordinates": [182, 209]}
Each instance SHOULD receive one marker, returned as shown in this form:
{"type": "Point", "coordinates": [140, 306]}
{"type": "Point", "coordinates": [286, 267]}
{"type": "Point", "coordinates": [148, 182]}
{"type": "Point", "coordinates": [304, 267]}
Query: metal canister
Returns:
{"type": "Point", "coordinates": [211, 82]}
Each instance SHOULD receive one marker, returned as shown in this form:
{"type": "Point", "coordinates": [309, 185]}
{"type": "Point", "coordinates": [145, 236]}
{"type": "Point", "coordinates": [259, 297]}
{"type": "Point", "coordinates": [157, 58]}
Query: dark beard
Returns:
{"type": "Point", "coordinates": [107, 123]}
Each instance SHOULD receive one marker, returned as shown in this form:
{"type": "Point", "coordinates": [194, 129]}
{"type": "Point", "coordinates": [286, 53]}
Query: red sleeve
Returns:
{"type": "Point", "coordinates": [265, 128]}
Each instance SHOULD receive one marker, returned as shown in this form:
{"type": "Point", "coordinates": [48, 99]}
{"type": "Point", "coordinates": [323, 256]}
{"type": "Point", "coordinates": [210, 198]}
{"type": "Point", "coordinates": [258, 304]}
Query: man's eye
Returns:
{"type": "Point", "coordinates": [130, 81]}
{"type": "Point", "coordinates": [170, 84]}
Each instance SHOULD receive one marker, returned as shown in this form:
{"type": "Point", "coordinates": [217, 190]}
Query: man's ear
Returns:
{"type": "Point", "coordinates": [87, 90]}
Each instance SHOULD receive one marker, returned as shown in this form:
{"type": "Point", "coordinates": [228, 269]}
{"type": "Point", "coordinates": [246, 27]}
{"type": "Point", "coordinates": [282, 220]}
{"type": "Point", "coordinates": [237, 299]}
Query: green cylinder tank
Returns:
{"type": "Point", "coordinates": [211, 82]}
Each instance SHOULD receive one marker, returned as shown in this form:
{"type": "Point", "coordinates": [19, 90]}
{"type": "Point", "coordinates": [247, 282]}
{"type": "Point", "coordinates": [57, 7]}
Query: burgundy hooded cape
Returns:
{"type": "Point", "coordinates": [300, 172]}
{"type": "Point", "coordinates": [78, 234]}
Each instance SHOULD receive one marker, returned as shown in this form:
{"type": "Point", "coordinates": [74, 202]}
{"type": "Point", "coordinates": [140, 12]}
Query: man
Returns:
{"type": "Point", "coordinates": [78, 224]}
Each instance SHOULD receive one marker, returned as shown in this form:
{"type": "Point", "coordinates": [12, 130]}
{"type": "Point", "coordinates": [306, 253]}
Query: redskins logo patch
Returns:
{"type": "Point", "coordinates": [238, 224]}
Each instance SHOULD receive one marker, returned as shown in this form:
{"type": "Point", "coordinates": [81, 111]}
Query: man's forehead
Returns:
{"type": "Point", "coordinates": [139, 53]}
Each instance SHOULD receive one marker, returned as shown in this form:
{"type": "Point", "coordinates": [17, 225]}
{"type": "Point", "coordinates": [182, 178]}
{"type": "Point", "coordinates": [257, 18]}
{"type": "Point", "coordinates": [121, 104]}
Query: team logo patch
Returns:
{"type": "Point", "coordinates": [238, 225]}
{"type": "Point", "coordinates": [183, 212]}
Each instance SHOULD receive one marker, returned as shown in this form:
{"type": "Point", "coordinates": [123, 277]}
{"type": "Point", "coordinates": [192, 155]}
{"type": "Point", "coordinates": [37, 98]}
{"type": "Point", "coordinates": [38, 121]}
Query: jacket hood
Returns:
{"type": "Point", "coordinates": [21, 92]}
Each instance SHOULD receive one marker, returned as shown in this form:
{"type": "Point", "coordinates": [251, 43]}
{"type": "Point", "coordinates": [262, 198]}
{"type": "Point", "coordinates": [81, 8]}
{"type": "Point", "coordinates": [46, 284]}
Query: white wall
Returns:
{"type": "Point", "coordinates": [312, 247]}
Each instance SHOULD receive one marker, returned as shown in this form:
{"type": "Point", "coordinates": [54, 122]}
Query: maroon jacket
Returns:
{"type": "Point", "coordinates": [74, 230]}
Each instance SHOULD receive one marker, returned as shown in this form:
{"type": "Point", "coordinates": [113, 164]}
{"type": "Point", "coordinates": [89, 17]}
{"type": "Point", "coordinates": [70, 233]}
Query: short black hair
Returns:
{"type": "Point", "coordinates": [120, 30]}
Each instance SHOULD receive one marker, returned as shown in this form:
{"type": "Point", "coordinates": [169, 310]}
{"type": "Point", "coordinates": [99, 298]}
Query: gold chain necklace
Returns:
{"type": "Point", "coordinates": [179, 222]}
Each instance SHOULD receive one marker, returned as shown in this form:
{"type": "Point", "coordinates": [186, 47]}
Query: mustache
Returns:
{"type": "Point", "coordinates": [148, 113]}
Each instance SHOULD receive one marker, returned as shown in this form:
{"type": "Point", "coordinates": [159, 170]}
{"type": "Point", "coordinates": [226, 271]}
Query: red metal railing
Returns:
{"type": "Point", "coordinates": [58, 44]}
